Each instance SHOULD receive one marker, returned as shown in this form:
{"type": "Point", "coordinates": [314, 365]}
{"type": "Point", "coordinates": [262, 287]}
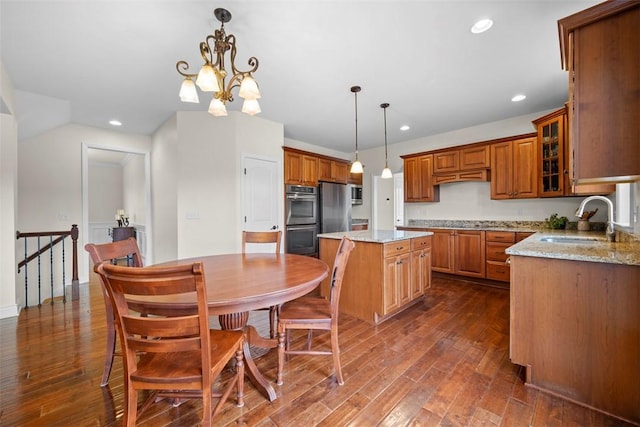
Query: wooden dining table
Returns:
{"type": "Point", "coordinates": [239, 283]}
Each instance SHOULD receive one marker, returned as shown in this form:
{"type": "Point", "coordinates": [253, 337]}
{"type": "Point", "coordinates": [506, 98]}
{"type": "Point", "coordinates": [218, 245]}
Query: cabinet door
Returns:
{"type": "Point", "coordinates": [448, 161]}
{"type": "Point", "coordinates": [397, 285]}
{"type": "Point", "coordinates": [292, 168]}
{"type": "Point", "coordinates": [501, 170]}
{"type": "Point", "coordinates": [475, 158]}
{"type": "Point", "coordinates": [325, 170]}
{"type": "Point", "coordinates": [551, 141]}
{"type": "Point", "coordinates": [470, 253]}
{"type": "Point", "coordinates": [420, 272]}
{"type": "Point", "coordinates": [411, 180]}
{"type": "Point", "coordinates": [525, 168]}
{"type": "Point", "coordinates": [341, 172]}
{"type": "Point", "coordinates": [309, 170]}
{"type": "Point", "coordinates": [442, 251]}
{"type": "Point", "coordinates": [605, 89]}
{"type": "Point", "coordinates": [427, 191]}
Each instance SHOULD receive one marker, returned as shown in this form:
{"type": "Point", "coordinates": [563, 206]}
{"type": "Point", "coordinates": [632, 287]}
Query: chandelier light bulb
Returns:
{"type": "Point", "coordinates": [251, 107]}
{"type": "Point", "coordinates": [188, 92]}
{"type": "Point", "coordinates": [217, 108]}
{"type": "Point", "coordinates": [249, 88]}
{"type": "Point", "coordinates": [206, 80]}
{"type": "Point", "coordinates": [386, 172]}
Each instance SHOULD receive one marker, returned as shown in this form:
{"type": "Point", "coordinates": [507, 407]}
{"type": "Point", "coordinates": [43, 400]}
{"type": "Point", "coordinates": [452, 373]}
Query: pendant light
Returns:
{"type": "Point", "coordinates": [356, 166]}
{"type": "Point", "coordinates": [386, 172]}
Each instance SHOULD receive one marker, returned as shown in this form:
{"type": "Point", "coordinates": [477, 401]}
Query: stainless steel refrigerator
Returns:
{"type": "Point", "coordinates": [335, 207]}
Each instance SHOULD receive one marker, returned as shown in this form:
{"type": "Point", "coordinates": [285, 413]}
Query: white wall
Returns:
{"type": "Point", "coordinates": [105, 190]}
{"type": "Point", "coordinates": [164, 193]}
{"type": "Point", "coordinates": [467, 200]}
{"type": "Point", "coordinates": [133, 189]}
{"type": "Point", "coordinates": [198, 158]}
{"type": "Point", "coordinates": [50, 178]}
{"type": "Point", "coordinates": [8, 197]}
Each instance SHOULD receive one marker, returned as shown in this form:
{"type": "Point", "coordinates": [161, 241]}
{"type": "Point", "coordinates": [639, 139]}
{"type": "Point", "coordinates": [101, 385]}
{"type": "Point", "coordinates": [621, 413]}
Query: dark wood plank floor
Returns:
{"type": "Point", "coordinates": [444, 361]}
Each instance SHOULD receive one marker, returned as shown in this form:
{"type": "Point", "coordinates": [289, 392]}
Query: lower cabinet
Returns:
{"type": "Point", "coordinates": [459, 252]}
{"type": "Point", "coordinates": [497, 243]}
{"type": "Point", "coordinates": [381, 279]}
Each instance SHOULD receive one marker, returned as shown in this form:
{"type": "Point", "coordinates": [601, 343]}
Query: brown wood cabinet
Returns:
{"type": "Point", "coordinates": [600, 48]}
{"type": "Point", "coordinates": [332, 171]}
{"type": "Point", "coordinates": [496, 244]}
{"type": "Point", "coordinates": [357, 227]}
{"type": "Point", "coordinates": [514, 169]}
{"type": "Point", "coordinates": [463, 159]}
{"type": "Point", "coordinates": [418, 184]}
{"type": "Point", "coordinates": [555, 158]}
{"type": "Point", "coordinates": [574, 327]}
{"type": "Point", "coordinates": [304, 168]}
{"type": "Point", "coordinates": [354, 178]}
{"type": "Point", "coordinates": [381, 279]}
{"type": "Point", "coordinates": [458, 252]}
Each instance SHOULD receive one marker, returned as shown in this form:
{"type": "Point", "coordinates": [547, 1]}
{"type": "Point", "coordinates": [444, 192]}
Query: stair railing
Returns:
{"type": "Point", "coordinates": [59, 239]}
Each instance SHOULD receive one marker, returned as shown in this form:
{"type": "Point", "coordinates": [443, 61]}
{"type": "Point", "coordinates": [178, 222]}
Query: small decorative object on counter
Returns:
{"type": "Point", "coordinates": [583, 222]}
{"type": "Point", "coordinates": [555, 222]}
{"type": "Point", "coordinates": [122, 219]}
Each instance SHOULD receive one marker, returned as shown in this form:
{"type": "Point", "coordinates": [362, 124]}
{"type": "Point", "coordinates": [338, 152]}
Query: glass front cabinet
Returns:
{"type": "Point", "coordinates": [551, 142]}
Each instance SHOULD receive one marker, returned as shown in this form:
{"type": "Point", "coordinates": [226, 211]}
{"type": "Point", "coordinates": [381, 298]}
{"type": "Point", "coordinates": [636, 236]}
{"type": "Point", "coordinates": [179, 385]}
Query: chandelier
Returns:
{"type": "Point", "coordinates": [212, 76]}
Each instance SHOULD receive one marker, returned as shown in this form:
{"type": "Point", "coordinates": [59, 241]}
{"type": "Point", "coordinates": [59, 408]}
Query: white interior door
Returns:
{"type": "Point", "coordinates": [383, 204]}
{"type": "Point", "coordinates": [262, 195]}
{"type": "Point", "coordinates": [398, 199]}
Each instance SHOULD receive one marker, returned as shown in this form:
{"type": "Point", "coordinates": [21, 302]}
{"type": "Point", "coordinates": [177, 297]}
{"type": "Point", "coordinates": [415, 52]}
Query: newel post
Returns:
{"type": "Point", "coordinates": [75, 283]}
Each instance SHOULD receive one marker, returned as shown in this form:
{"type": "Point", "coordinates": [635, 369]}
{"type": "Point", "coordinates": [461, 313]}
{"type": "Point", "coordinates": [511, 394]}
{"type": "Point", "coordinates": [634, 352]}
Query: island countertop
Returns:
{"type": "Point", "coordinates": [376, 236]}
{"type": "Point", "coordinates": [594, 248]}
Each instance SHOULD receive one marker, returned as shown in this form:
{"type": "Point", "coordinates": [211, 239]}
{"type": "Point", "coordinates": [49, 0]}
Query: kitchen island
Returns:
{"type": "Point", "coordinates": [575, 318]}
{"type": "Point", "coordinates": [387, 271]}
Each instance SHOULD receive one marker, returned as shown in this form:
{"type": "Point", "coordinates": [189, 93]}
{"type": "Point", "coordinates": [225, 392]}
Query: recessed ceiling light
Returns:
{"type": "Point", "coordinates": [518, 98]}
{"type": "Point", "coordinates": [405, 127]}
{"type": "Point", "coordinates": [481, 26]}
{"type": "Point", "coordinates": [115, 122]}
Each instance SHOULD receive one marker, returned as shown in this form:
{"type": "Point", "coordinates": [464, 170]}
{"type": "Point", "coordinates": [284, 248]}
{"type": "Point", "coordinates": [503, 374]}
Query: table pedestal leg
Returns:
{"type": "Point", "coordinates": [237, 321]}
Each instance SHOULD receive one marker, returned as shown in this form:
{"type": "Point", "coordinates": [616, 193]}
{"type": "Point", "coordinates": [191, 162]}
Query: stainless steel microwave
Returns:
{"type": "Point", "coordinates": [356, 194]}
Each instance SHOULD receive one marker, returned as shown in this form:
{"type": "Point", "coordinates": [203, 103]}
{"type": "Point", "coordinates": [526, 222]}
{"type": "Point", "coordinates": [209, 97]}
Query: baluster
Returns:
{"type": "Point", "coordinates": [39, 276]}
{"type": "Point", "coordinates": [51, 266]}
{"type": "Point", "coordinates": [26, 276]}
{"type": "Point", "coordinates": [64, 280]}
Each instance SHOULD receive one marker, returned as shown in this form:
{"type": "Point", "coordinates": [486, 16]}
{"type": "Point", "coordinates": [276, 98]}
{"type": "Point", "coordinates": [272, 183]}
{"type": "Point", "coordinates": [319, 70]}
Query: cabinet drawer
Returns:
{"type": "Point", "coordinates": [495, 251]}
{"type": "Point", "coordinates": [395, 248]}
{"type": "Point", "coordinates": [498, 271]}
{"type": "Point", "coordinates": [521, 235]}
{"type": "Point", "coordinates": [501, 236]}
{"type": "Point", "coordinates": [420, 243]}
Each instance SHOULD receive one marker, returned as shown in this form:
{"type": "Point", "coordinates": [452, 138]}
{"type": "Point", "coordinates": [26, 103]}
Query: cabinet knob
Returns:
{"type": "Point", "coordinates": [508, 261]}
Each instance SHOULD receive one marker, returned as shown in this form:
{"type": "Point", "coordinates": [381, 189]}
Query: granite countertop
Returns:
{"type": "Point", "coordinates": [376, 236]}
{"type": "Point", "coordinates": [525, 226]}
{"type": "Point", "coordinates": [359, 221]}
{"type": "Point", "coordinates": [594, 249]}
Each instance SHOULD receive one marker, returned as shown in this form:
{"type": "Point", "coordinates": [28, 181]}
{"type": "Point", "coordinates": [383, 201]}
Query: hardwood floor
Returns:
{"type": "Point", "coordinates": [444, 361]}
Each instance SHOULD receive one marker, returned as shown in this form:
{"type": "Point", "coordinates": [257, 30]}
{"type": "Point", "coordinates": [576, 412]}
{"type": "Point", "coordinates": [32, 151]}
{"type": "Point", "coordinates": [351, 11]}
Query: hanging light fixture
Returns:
{"type": "Point", "coordinates": [386, 172]}
{"type": "Point", "coordinates": [356, 166]}
{"type": "Point", "coordinates": [212, 75]}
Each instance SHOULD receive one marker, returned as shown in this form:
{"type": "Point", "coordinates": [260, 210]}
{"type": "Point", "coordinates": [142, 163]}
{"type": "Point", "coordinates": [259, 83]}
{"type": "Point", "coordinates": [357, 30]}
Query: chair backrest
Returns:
{"type": "Point", "coordinates": [173, 333]}
{"type": "Point", "coordinates": [337, 274]}
{"type": "Point", "coordinates": [119, 249]}
{"type": "Point", "coordinates": [262, 237]}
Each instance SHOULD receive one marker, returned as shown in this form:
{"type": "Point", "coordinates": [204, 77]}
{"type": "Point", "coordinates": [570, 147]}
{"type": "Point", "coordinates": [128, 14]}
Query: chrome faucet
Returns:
{"type": "Point", "coordinates": [610, 232]}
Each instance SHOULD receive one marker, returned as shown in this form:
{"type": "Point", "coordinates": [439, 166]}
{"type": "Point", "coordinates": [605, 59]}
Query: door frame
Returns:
{"type": "Point", "coordinates": [85, 200]}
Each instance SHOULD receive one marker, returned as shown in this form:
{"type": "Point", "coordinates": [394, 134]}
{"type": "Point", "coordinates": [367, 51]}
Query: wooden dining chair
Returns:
{"type": "Point", "coordinates": [313, 313]}
{"type": "Point", "coordinates": [172, 356]}
{"type": "Point", "coordinates": [261, 237]}
{"type": "Point", "coordinates": [119, 250]}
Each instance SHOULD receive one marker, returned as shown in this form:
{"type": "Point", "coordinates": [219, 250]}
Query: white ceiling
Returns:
{"type": "Point", "coordinates": [87, 62]}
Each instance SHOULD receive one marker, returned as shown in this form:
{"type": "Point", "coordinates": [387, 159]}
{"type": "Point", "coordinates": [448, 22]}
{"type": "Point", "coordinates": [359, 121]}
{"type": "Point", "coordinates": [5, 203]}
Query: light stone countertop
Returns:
{"type": "Point", "coordinates": [376, 236]}
{"type": "Point", "coordinates": [627, 253]}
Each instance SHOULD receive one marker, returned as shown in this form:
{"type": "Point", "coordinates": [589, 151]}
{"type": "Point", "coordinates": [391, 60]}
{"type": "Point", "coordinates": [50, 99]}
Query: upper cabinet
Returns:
{"type": "Point", "coordinates": [551, 143]}
{"type": "Point", "coordinates": [463, 164]}
{"type": "Point", "coordinates": [600, 47]}
{"type": "Point", "coordinates": [303, 168]}
{"type": "Point", "coordinates": [418, 184]}
{"type": "Point", "coordinates": [514, 169]}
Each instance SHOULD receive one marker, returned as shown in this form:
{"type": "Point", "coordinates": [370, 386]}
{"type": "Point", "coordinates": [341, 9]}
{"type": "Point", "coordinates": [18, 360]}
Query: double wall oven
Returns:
{"type": "Point", "coordinates": [301, 208]}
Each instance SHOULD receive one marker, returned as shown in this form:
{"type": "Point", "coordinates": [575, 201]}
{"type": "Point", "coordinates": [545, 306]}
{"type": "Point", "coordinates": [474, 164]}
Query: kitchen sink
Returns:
{"type": "Point", "coordinates": [572, 240]}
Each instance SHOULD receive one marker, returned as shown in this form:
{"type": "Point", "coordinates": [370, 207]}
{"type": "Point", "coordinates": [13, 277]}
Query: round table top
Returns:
{"type": "Point", "coordinates": [244, 282]}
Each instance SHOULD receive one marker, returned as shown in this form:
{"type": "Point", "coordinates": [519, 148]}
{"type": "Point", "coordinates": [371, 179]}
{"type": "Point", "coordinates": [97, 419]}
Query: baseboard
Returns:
{"type": "Point", "coordinates": [9, 311]}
